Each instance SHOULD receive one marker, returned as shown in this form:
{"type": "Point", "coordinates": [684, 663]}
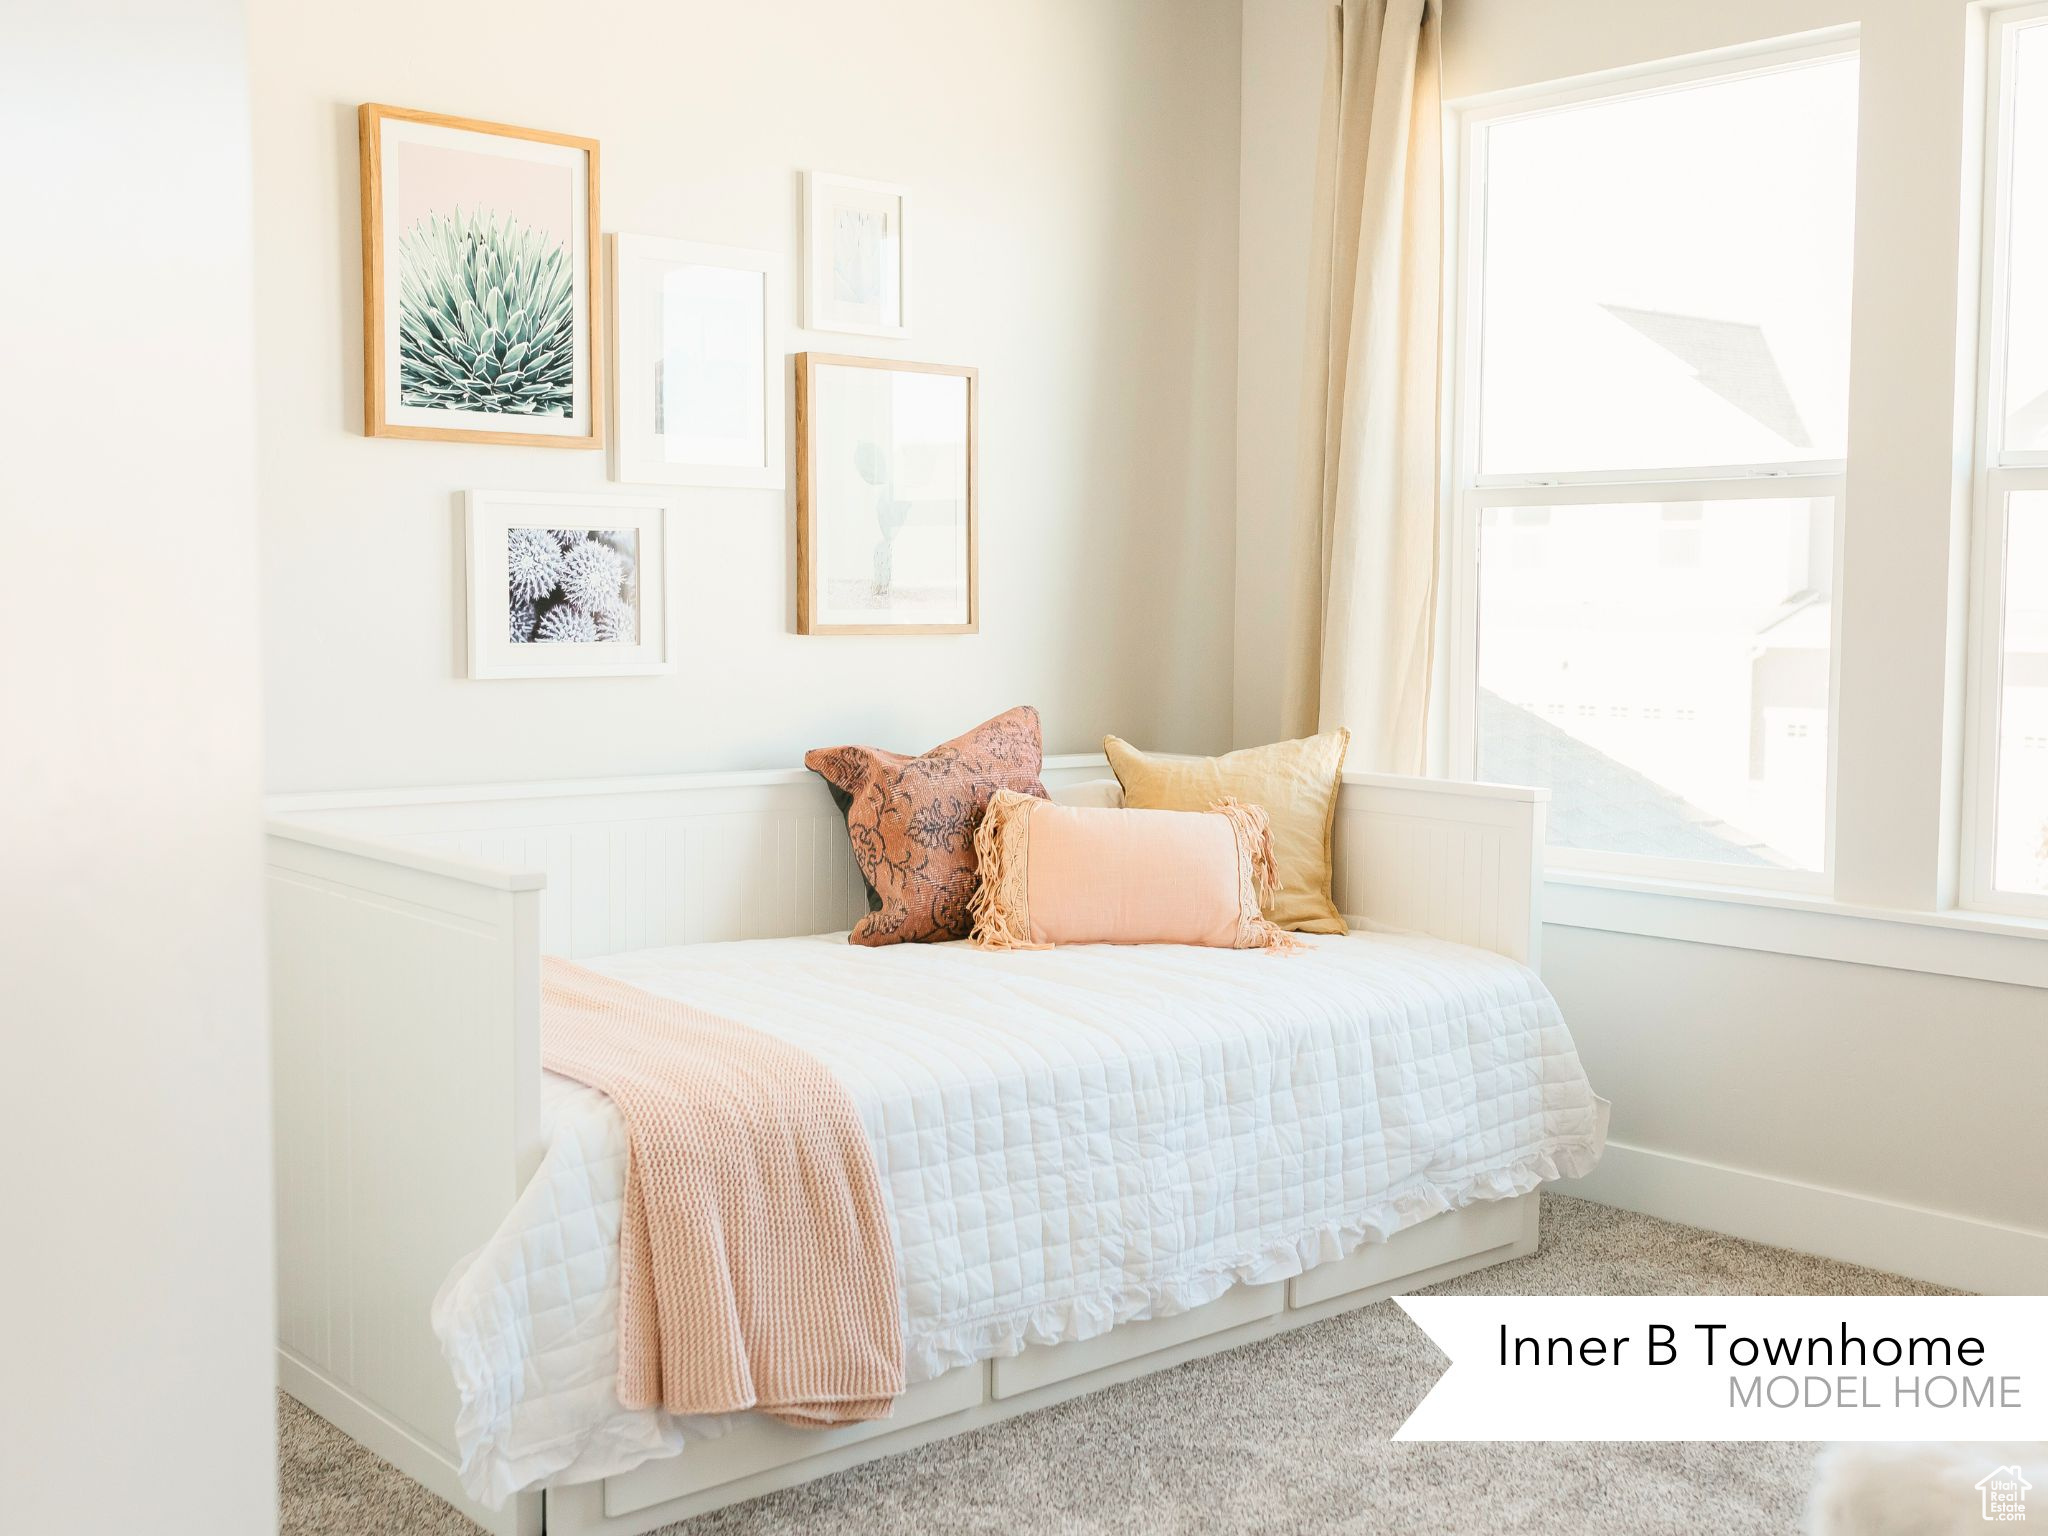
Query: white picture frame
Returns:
{"type": "Point", "coordinates": [856, 255]}
{"type": "Point", "coordinates": [697, 341]}
{"type": "Point", "coordinates": [629, 636]}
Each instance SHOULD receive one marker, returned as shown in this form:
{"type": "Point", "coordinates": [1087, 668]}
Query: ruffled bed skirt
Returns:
{"type": "Point", "coordinates": [933, 1348]}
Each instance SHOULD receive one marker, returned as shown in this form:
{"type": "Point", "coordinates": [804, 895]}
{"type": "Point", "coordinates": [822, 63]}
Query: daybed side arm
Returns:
{"type": "Point", "coordinates": [406, 1069]}
{"type": "Point", "coordinates": [1456, 861]}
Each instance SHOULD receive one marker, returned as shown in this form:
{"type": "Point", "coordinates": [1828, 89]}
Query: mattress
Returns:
{"type": "Point", "coordinates": [1067, 1140]}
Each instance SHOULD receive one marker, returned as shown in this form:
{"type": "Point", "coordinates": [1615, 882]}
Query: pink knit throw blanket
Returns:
{"type": "Point", "coordinates": [756, 1265]}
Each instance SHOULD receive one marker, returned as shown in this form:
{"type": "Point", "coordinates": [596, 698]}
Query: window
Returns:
{"type": "Point", "coordinates": [1648, 426]}
{"type": "Point", "coordinates": [2006, 846]}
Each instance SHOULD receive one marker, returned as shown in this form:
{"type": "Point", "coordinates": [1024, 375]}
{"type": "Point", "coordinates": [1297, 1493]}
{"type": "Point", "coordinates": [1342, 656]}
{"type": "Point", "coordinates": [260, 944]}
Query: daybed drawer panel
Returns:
{"type": "Point", "coordinates": [1439, 1240]}
{"type": "Point", "coordinates": [759, 1444]}
{"type": "Point", "coordinates": [1041, 1365]}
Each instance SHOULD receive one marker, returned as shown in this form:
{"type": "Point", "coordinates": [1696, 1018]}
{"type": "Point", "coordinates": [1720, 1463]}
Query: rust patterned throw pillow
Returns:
{"type": "Point", "coordinates": [912, 822]}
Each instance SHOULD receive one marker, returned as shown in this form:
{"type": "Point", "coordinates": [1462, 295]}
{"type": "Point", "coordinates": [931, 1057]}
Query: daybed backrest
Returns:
{"type": "Point", "coordinates": [635, 863]}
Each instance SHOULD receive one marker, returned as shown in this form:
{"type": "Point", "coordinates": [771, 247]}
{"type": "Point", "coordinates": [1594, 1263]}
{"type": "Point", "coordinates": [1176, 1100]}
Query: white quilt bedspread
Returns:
{"type": "Point", "coordinates": [1068, 1140]}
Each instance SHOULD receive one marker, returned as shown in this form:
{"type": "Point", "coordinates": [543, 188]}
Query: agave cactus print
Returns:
{"type": "Point", "coordinates": [487, 317]}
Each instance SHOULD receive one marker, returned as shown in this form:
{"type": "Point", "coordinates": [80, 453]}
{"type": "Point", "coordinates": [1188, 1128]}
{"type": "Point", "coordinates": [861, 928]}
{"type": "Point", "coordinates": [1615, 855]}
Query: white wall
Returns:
{"type": "Point", "coordinates": [1073, 170]}
{"type": "Point", "coordinates": [136, 1272]}
{"type": "Point", "coordinates": [1901, 1090]}
{"type": "Point", "coordinates": [1281, 103]}
{"type": "Point", "coordinates": [1916, 1089]}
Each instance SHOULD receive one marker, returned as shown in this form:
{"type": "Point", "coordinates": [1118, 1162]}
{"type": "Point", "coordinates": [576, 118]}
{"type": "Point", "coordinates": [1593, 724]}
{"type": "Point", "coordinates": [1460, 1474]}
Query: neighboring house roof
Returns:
{"type": "Point", "coordinates": [2027, 423]}
{"type": "Point", "coordinates": [1803, 623]}
{"type": "Point", "coordinates": [1729, 357]}
{"type": "Point", "coordinates": [1597, 802]}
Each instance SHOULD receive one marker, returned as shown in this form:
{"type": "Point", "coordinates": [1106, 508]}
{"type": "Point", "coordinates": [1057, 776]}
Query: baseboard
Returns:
{"type": "Point", "coordinates": [1935, 1246]}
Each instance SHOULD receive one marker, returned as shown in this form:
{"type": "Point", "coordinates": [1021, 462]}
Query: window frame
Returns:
{"type": "Point", "coordinates": [1465, 493]}
{"type": "Point", "coordinates": [1997, 474]}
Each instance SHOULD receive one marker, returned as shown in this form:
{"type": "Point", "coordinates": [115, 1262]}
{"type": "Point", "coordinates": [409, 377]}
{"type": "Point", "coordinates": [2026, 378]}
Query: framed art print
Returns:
{"type": "Point", "coordinates": [480, 281]}
{"type": "Point", "coordinates": [886, 497]}
{"type": "Point", "coordinates": [856, 256]}
{"type": "Point", "coordinates": [567, 585]}
{"type": "Point", "coordinates": [697, 357]}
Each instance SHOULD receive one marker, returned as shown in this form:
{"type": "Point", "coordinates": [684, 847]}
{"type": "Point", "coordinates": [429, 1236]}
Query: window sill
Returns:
{"type": "Point", "coordinates": [1980, 945]}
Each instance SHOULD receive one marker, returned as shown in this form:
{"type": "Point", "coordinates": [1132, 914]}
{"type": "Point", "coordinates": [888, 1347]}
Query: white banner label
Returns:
{"type": "Point", "coordinates": [1734, 1368]}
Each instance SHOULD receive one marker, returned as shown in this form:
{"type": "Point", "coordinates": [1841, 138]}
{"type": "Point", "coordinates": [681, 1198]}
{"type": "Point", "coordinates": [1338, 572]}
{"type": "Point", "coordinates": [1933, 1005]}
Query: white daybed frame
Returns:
{"type": "Point", "coordinates": [406, 929]}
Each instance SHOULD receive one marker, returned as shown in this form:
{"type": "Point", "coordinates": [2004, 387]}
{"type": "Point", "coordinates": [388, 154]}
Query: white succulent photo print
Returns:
{"type": "Point", "coordinates": [566, 585]}
{"type": "Point", "coordinates": [571, 585]}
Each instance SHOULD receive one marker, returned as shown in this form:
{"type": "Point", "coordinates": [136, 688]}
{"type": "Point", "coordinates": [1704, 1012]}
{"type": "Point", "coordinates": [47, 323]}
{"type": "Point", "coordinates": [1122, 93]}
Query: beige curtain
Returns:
{"type": "Point", "coordinates": [1365, 547]}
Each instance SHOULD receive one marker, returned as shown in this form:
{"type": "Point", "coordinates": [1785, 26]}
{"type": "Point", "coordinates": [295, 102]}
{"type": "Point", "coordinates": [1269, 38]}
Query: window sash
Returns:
{"type": "Point", "coordinates": [1984, 696]}
{"type": "Point", "coordinates": [1567, 492]}
{"type": "Point", "coordinates": [2000, 101]}
{"type": "Point", "coordinates": [1462, 588]}
{"type": "Point", "coordinates": [1465, 240]}
{"type": "Point", "coordinates": [2000, 473]}
{"type": "Point", "coordinates": [1763, 475]}
{"type": "Point", "coordinates": [1465, 493]}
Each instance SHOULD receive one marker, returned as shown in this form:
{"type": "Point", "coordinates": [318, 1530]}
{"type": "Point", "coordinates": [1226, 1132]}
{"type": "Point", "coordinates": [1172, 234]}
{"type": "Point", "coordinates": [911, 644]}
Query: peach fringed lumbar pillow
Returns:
{"type": "Point", "coordinates": [1060, 874]}
{"type": "Point", "coordinates": [1297, 783]}
{"type": "Point", "coordinates": [911, 821]}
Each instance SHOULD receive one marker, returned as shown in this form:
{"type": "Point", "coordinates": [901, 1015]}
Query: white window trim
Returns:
{"type": "Point", "coordinates": [1977, 945]}
{"type": "Point", "coordinates": [1998, 473]}
{"type": "Point", "coordinates": [1465, 492]}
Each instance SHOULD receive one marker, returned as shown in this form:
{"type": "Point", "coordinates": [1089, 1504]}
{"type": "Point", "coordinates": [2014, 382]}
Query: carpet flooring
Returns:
{"type": "Point", "coordinates": [1286, 1435]}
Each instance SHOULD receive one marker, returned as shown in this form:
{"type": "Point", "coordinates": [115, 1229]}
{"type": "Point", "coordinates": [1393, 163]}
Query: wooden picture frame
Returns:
{"type": "Point", "coordinates": [439, 142]}
{"type": "Point", "coordinates": [822, 489]}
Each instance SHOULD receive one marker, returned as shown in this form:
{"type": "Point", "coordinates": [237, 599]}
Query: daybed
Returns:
{"type": "Point", "coordinates": [1267, 1139]}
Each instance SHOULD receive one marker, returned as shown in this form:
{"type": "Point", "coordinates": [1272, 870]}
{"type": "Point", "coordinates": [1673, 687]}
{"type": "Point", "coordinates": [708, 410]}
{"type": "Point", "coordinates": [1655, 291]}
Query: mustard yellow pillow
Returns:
{"type": "Point", "coordinates": [1295, 781]}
